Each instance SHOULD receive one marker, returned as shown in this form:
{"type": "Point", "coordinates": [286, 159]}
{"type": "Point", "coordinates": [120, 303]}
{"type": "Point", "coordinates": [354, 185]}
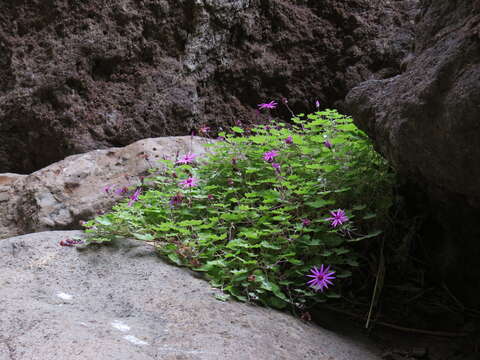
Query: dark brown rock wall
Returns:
{"type": "Point", "coordinates": [427, 119]}
{"type": "Point", "coordinates": [78, 75]}
{"type": "Point", "coordinates": [427, 122]}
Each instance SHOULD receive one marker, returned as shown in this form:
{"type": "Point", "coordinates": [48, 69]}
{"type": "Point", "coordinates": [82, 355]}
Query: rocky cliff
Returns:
{"type": "Point", "coordinates": [81, 75]}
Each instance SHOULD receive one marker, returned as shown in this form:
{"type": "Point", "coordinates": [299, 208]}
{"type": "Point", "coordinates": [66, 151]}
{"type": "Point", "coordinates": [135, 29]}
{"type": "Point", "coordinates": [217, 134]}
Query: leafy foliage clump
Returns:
{"type": "Point", "coordinates": [254, 218]}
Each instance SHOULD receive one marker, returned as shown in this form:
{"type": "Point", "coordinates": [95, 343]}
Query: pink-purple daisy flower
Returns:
{"type": "Point", "coordinates": [328, 144]}
{"type": "Point", "coordinates": [321, 278]}
{"type": "Point", "coordinates": [205, 129]}
{"type": "Point", "coordinates": [190, 182]}
{"type": "Point", "coordinates": [289, 140]}
{"type": "Point", "coordinates": [306, 222]}
{"type": "Point", "coordinates": [270, 105]}
{"type": "Point", "coordinates": [270, 155]}
{"type": "Point", "coordinates": [176, 200]}
{"type": "Point", "coordinates": [187, 159]}
{"type": "Point", "coordinates": [134, 197]}
{"type": "Point", "coordinates": [121, 191]}
{"type": "Point", "coordinates": [338, 218]}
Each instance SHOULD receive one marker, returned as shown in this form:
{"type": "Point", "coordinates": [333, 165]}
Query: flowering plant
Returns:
{"type": "Point", "coordinates": [266, 210]}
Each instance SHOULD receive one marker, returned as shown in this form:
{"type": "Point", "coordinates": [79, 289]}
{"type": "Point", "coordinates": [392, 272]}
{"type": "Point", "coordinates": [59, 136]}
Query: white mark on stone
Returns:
{"type": "Point", "coordinates": [135, 340]}
{"type": "Point", "coordinates": [117, 324]}
{"type": "Point", "coordinates": [64, 296]}
{"type": "Point", "coordinates": [169, 349]}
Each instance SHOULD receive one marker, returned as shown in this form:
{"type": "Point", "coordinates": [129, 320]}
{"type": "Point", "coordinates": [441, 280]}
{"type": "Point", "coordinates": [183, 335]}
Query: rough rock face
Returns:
{"type": "Point", "coordinates": [427, 122]}
{"type": "Point", "coordinates": [82, 75]}
{"type": "Point", "coordinates": [64, 193]}
{"type": "Point", "coordinates": [123, 302]}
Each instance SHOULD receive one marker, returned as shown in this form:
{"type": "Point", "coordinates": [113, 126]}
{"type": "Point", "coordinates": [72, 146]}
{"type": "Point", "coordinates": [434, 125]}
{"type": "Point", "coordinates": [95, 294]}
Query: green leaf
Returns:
{"type": "Point", "coordinates": [235, 293]}
{"type": "Point", "coordinates": [332, 295]}
{"type": "Point", "coordinates": [268, 245]}
{"type": "Point", "coordinates": [295, 262]}
{"type": "Point", "coordinates": [344, 274]}
{"type": "Point", "coordinates": [103, 221]}
{"type": "Point", "coordinates": [249, 234]}
{"type": "Point", "coordinates": [211, 265]}
{"type": "Point", "coordinates": [371, 235]}
{"type": "Point", "coordinates": [174, 258]}
{"type": "Point", "coordinates": [341, 251]}
{"type": "Point", "coordinates": [144, 237]}
{"type": "Point", "coordinates": [222, 297]}
{"type": "Point", "coordinates": [239, 275]}
{"type": "Point", "coordinates": [359, 207]}
{"type": "Point", "coordinates": [275, 302]}
{"type": "Point", "coordinates": [320, 203]}
{"type": "Point", "coordinates": [352, 262]}
{"type": "Point", "coordinates": [238, 130]}
{"type": "Point", "coordinates": [237, 243]}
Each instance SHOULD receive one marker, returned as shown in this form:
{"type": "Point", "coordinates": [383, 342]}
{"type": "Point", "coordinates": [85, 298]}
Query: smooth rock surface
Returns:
{"type": "Point", "coordinates": [69, 191]}
{"type": "Point", "coordinates": [123, 302]}
{"type": "Point", "coordinates": [82, 75]}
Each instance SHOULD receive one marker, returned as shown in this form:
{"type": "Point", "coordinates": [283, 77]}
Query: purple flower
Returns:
{"type": "Point", "coordinates": [70, 242]}
{"type": "Point", "coordinates": [190, 182]}
{"type": "Point", "coordinates": [317, 104]}
{"type": "Point", "coordinates": [107, 188]}
{"type": "Point", "coordinates": [204, 129]}
{"type": "Point", "coordinates": [321, 278]}
{"type": "Point", "coordinates": [121, 191]}
{"type": "Point", "coordinates": [289, 140]}
{"type": "Point", "coordinates": [187, 159]}
{"type": "Point", "coordinates": [276, 166]}
{"type": "Point", "coordinates": [270, 105]}
{"type": "Point", "coordinates": [328, 144]}
{"type": "Point", "coordinates": [306, 222]}
{"type": "Point", "coordinates": [176, 200]}
{"type": "Point", "coordinates": [270, 155]}
{"type": "Point", "coordinates": [134, 197]}
{"type": "Point", "coordinates": [338, 218]}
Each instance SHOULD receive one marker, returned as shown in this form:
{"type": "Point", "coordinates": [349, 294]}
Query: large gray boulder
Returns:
{"type": "Point", "coordinates": [427, 122]}
{"type": "Point", "coordinates": [123, 302]}
{"type": "Point", "coordinates": [61, 195]}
